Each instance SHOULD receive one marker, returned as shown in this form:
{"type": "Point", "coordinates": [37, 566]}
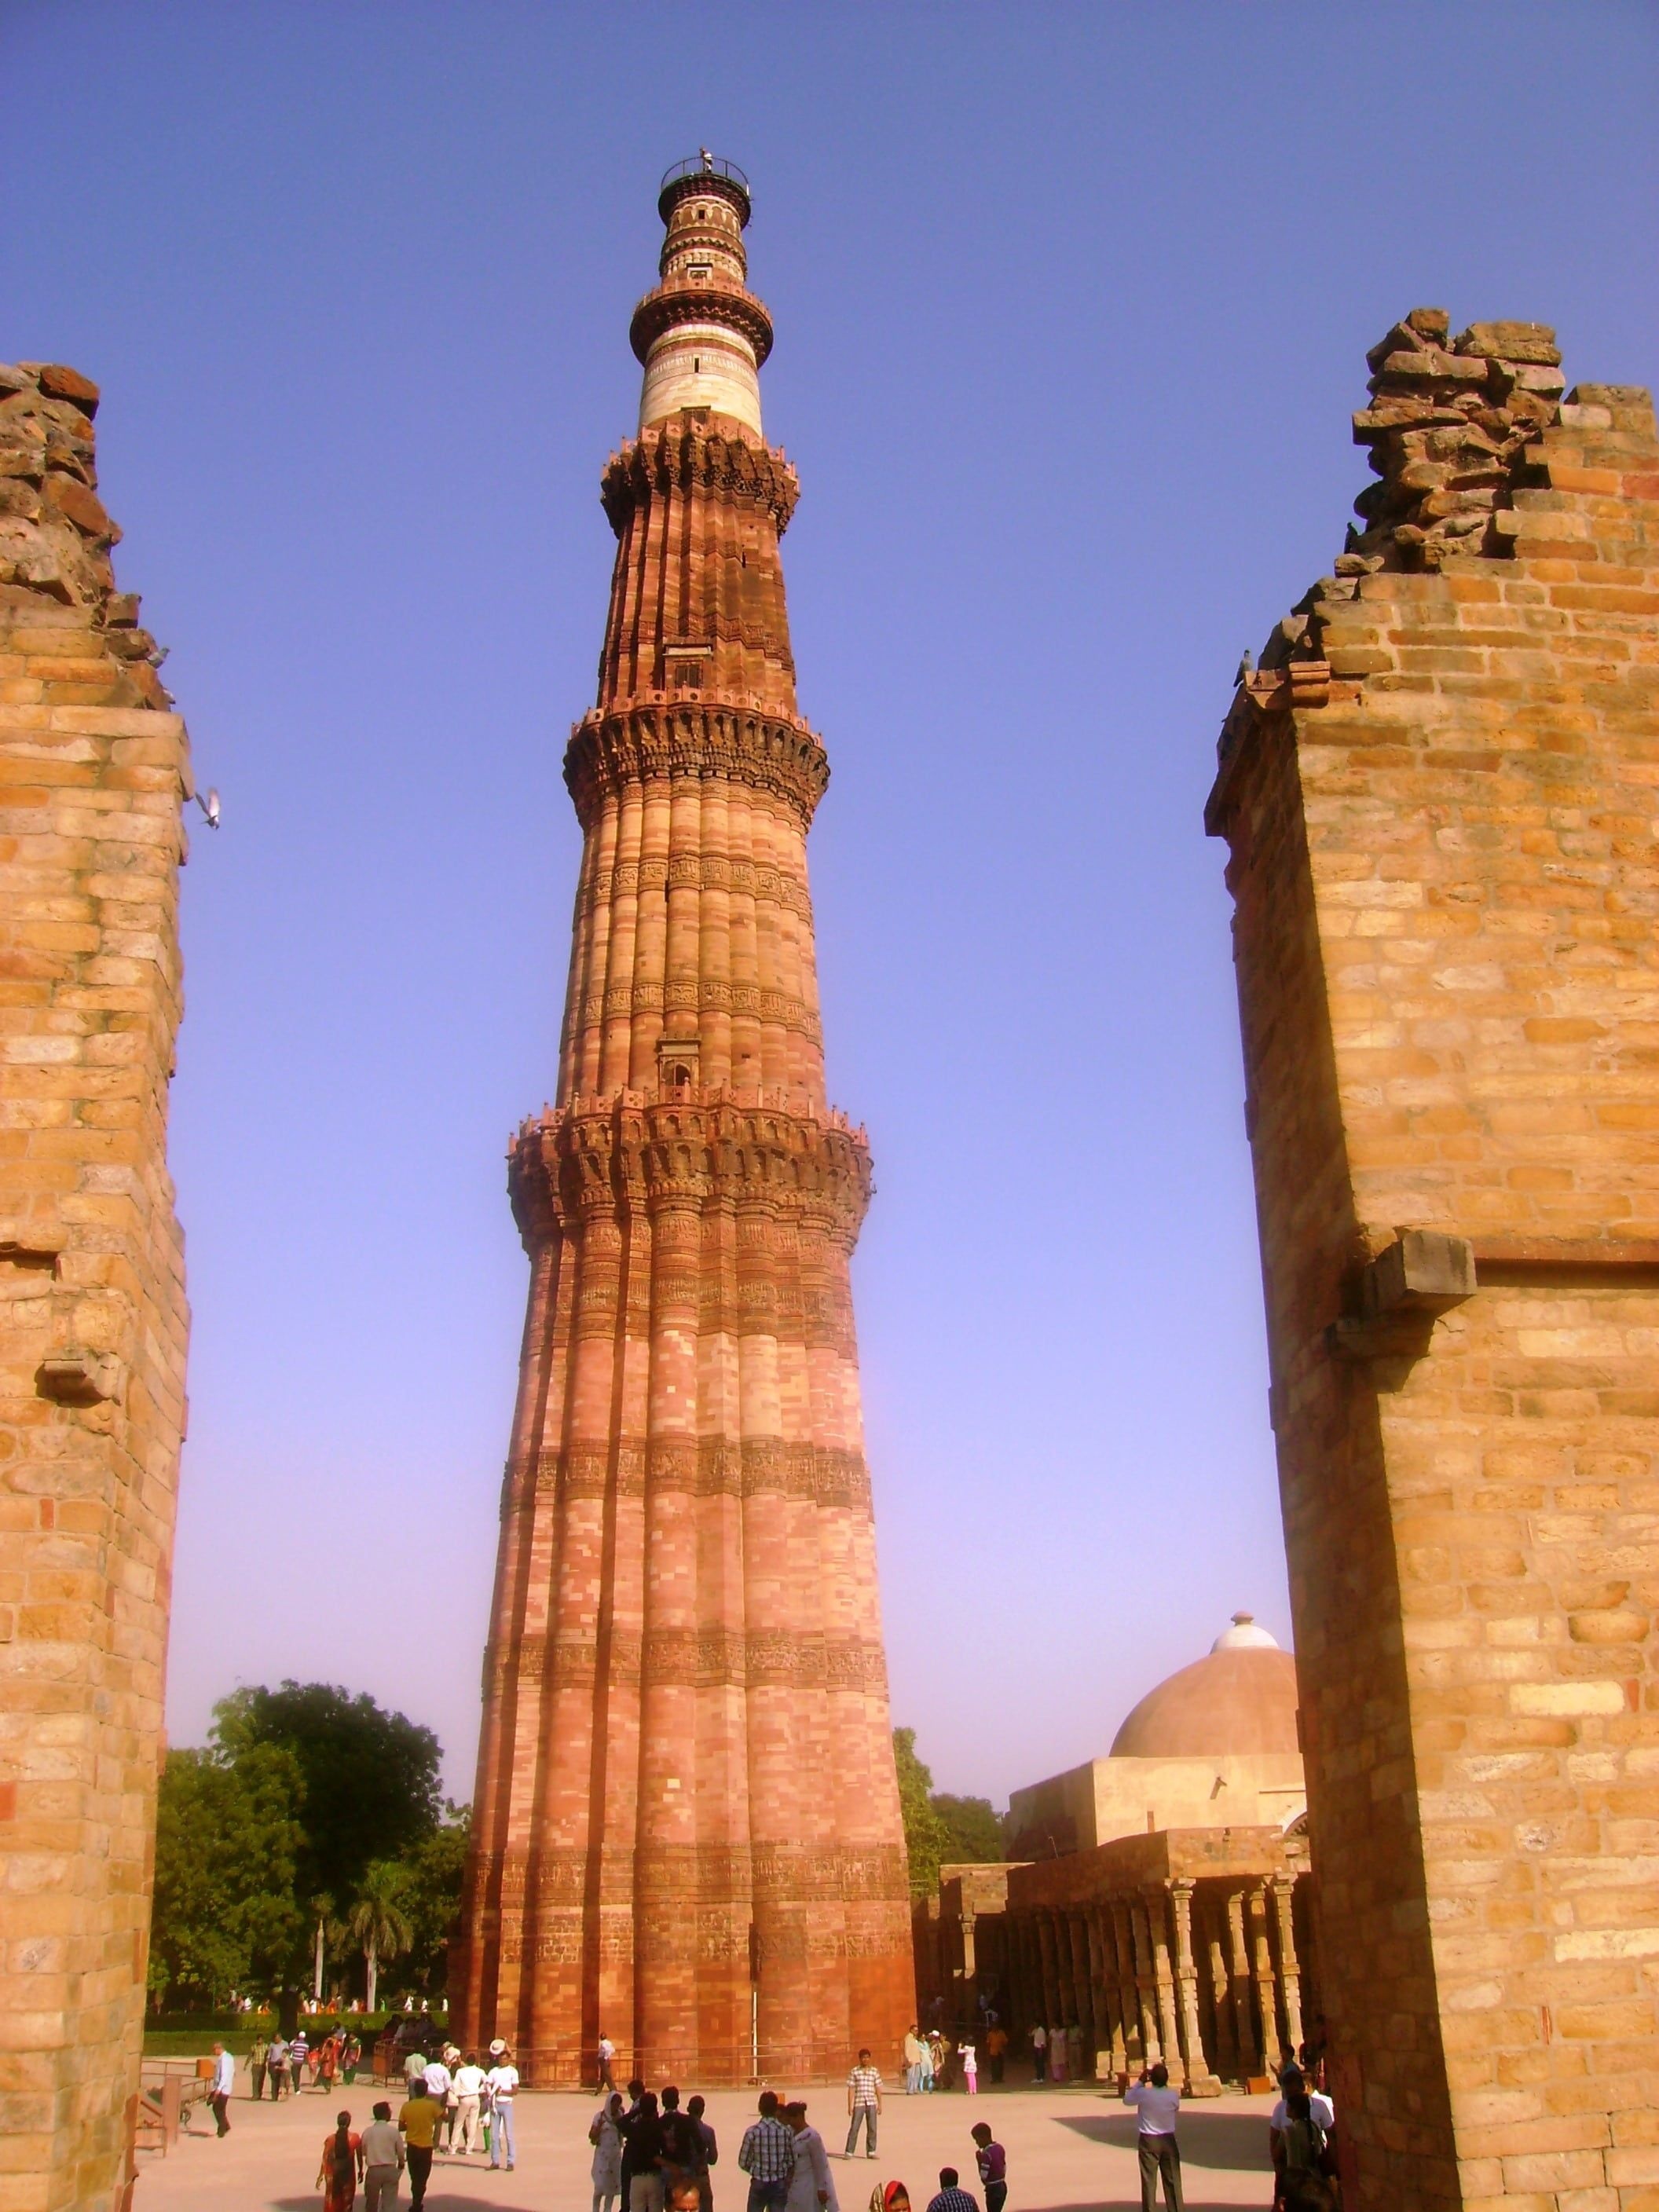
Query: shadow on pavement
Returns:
{"type": "Point", "coordinates": [1233, 2141]}
{"type": "Point", "coordinates": [449, 2200]}
{"type": "Point", "coordinates": [1119, 2204]}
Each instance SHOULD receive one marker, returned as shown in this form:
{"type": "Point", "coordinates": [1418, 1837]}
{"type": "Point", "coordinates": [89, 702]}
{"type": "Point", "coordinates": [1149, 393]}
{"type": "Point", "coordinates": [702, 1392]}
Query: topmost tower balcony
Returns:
{"type": "Point", "coordinates": [701, 334]}
{"type": "Point", "coordinates": [704, 172]}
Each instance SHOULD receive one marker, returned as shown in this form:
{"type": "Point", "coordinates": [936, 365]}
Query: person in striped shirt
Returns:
{"type": "Point", "coordinates": [863, 2104]}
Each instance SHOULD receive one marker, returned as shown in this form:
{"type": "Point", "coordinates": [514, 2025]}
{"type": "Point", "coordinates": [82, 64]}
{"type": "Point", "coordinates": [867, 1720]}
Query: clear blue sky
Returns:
{"type": "Point", "coordinates": [1071, 306]}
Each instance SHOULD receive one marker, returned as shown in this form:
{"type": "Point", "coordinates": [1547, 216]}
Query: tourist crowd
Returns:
{"type": "Point", "coordinates": [652, 2153]}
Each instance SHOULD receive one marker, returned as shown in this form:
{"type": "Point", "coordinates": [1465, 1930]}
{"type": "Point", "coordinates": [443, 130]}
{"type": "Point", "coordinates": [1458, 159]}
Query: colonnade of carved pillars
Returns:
{"type": "Point", "coordinates": [1141, 1972]}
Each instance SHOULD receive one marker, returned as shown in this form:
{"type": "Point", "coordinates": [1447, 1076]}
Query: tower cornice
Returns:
{"type": "Point", "coordinates": [671, 306]}
{"type": "Point", "coordinates": [631, 1154]}
{"type": "Point", "coordinates": [612, 748]}
{"type": "Point", "coordinates": [689, 450]}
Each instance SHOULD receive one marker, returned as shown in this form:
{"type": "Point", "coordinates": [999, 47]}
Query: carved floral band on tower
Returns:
{"type": "Point", "coordinates": [686, 1824]}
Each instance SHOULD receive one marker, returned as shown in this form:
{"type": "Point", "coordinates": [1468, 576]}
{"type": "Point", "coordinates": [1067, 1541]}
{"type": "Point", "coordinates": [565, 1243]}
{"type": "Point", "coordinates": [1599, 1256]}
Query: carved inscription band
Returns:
{"type": "Point", "coordinates": [548, 1874]}
{"type": "Point", "coordinates": [700, 1659]}
{"type": "Point", "coordinates": [706, 1466]}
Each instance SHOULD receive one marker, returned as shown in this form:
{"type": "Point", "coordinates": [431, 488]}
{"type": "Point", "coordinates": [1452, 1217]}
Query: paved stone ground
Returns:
{"type": "Point", "coordinates": [1069, 2150]}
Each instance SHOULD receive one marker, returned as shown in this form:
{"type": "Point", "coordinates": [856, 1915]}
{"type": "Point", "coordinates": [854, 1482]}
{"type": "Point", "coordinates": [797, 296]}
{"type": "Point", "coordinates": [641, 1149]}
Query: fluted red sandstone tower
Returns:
{"type": "Point", "coordinates": [687, 1821]}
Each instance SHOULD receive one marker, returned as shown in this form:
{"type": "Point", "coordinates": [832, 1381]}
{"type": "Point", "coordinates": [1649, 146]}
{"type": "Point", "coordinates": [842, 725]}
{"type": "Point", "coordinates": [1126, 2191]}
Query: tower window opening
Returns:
{"type": "Point", "coordinates": [696, 364]}
{"type": "Point", "coordinates": [679, 1077]}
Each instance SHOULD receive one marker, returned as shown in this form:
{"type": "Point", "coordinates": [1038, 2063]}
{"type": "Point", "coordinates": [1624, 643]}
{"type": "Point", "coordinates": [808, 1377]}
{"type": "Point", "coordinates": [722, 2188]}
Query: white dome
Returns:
{"type": "Point", "coordinates": [1245, 1635]}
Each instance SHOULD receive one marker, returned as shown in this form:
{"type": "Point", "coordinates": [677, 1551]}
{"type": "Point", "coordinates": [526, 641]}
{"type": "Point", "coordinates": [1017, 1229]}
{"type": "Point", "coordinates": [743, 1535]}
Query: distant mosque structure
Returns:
{"type": "Point", "coordinates": [1156, 1903]}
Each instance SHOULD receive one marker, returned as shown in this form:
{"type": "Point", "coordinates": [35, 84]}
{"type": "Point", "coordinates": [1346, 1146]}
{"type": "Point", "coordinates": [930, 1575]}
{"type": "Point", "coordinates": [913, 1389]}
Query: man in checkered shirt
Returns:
{"type": "Point", "coordinates": [863, 2104]}
{"type": "Point", "coordinates": [767, 2155]}
{"type": "Point", "coordinates": [951, 2197]}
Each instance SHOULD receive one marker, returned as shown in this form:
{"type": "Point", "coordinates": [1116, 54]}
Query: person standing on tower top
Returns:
{"type": "Point", "coordinates": [863, 2104]}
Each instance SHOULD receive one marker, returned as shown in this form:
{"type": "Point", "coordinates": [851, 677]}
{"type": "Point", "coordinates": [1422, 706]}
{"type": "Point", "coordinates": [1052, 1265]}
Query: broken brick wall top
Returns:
{"type": "Point", "coordinates": [55, 537]}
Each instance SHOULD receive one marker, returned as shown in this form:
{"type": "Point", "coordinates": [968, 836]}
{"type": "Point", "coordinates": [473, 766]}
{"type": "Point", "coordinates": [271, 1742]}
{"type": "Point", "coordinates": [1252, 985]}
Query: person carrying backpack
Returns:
{"type": "Point", "coordinates": [1298, 2136]}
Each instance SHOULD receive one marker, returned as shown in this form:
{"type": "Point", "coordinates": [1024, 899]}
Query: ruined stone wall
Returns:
{"type": "Point", "coordinates": [93, 1320]}
{"type": "Point", "coordinates": [1439, 796]}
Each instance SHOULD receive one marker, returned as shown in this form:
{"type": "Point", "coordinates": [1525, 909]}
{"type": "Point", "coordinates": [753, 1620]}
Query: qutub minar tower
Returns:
{"type": "Point", "coordinates": [687, 1828]}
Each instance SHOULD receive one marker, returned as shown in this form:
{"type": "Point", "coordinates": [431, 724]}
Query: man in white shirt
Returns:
{"type": "Point", "coordinates": [383, 2162]}
{"type": "Point", "coordinates": [438, 2083]}
{"type": "Point", "coordinates": [503, 2079]}
{"type": "Point", "coordinates": [1156, 2105]}
{"type": "Point", "coordinates": [224, 2081]}
{"type": "Point", "coordinates": [914, 2052]}
{"type": "Point", "coordinates": [607, 2064]}
{"type": "Point", "coordinates": [468, 2089]}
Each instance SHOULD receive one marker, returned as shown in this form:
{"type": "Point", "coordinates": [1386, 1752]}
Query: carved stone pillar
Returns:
{"type": "Point", "coordinates": [1145, 2001]}
{"type": "Point", "coordinates": [1290, 1973]}
{"type": "Point", "coordinates": [1048, 1979]}
{"type": "Point", "coordinates": [1028, 1966]}
{"type": "Point", "coordinates": [1199, 2077]}
{"type": "Point", "coordinates": [1252, 2059]}
{"type": "Point", "coordinates": [1083, 1985]}
{"type": "Point", "coordinates": [1108, 2020]}
{"type": "Point", "coordinates": [1158, 1914]}
{"type": "Point", "coordinates": [1261, 1964]}
{"type": "Point", "coordinates": [1066, 1969]}
{"type": "Point", "coordinates": [1228, 2063]}
{"type": "Point", "coordinates": [1123, 1947]}
{"type": "Point", "coordinates": [970, 1959]}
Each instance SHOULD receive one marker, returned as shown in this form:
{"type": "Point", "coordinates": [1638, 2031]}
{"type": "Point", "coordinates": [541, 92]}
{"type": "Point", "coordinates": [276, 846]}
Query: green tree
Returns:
{"type": "Point", "coordinates": [227, 1839]}
{"type": "Point", "coordinates": [924, 1831]}
{"type": "Point", "coordinates": [371, 1776]}
{"type": "Point", "coordinates": [939, 1829]}
{"type": "Point", "coordinates": [973, 1830]}
{"type": "Point", "coordinates": [379, 1921]}
{"type": "Point", "coordinates": [435, 1868]}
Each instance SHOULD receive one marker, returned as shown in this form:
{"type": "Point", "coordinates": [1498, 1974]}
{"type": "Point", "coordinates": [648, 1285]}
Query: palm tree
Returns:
{"type": "Point", "coordinates": [378, 1920]}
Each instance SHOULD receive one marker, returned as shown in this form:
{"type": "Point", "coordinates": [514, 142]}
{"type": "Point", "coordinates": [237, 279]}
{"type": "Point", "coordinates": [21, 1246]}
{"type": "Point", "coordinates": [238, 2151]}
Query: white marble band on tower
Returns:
{"type": "Point", "coordinates": [702, 365]}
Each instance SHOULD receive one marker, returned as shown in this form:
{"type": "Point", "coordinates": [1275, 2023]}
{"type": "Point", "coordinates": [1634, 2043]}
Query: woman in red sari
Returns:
{"type": "Point", "coordinates": [341, 2167]}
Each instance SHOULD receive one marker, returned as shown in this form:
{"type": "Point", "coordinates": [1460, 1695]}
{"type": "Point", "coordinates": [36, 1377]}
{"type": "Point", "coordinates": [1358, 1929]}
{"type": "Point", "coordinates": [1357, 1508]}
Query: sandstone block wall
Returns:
{"type": "Point", "coordinates": [93, 1320]}
{"type": "Point", "coordinates": [1440, 793]}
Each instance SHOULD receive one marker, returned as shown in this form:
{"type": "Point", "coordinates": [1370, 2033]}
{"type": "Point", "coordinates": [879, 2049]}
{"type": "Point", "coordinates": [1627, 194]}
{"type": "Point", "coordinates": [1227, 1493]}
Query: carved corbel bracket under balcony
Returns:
{"type": "Point", "coordinates": [1400, 1294]}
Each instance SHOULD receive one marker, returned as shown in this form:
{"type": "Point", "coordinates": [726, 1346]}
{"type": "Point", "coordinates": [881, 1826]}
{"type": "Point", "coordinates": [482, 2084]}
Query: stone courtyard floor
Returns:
{"type": "Point", "coordinates": [1069, 2150]}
